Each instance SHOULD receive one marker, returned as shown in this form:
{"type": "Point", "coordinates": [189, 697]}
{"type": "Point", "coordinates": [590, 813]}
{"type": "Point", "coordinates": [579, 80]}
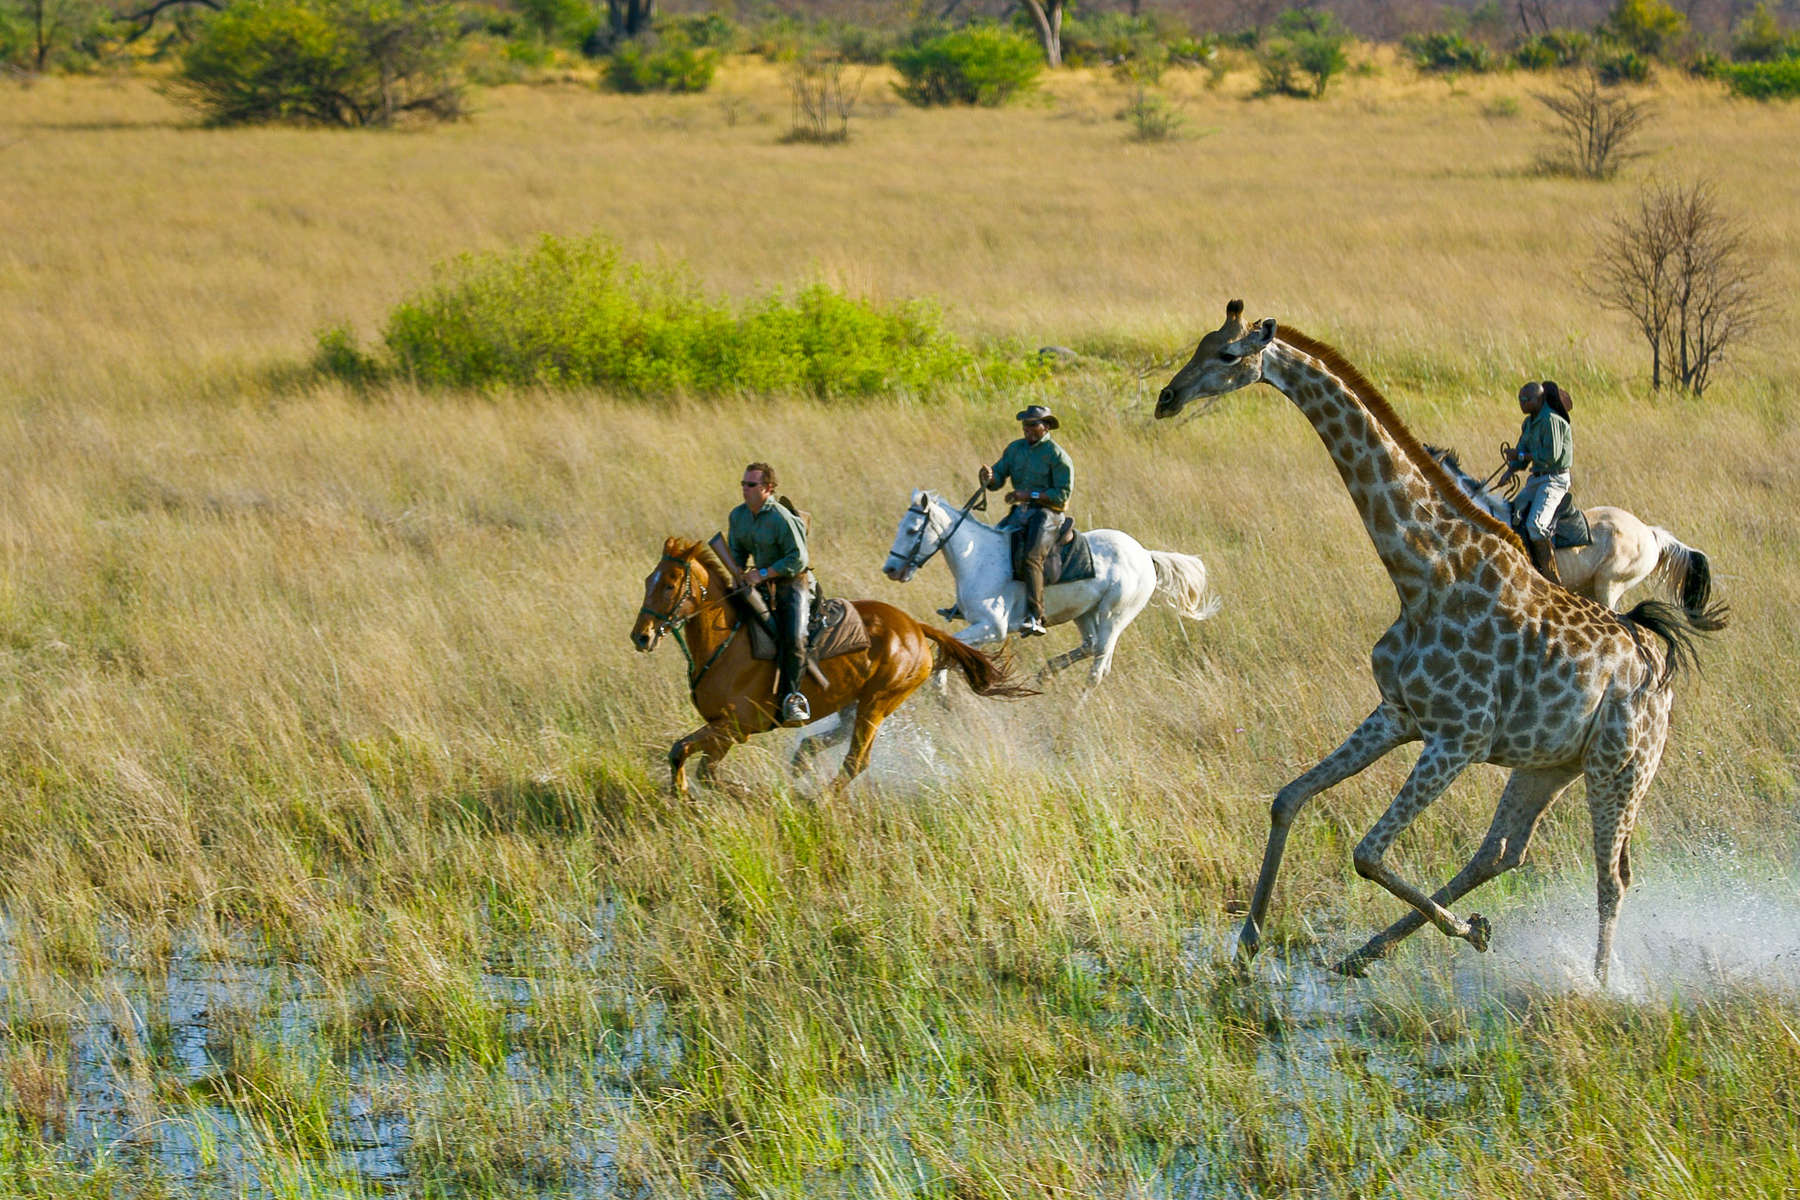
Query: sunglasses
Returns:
{"type": "Point", "coordinates": [750, 483]}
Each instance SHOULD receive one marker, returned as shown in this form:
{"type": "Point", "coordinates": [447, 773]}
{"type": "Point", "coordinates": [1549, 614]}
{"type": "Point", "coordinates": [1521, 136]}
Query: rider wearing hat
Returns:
{"type": "Point", "coordinates": [763, 531]}
{"type": "Point", "coordinates": [1547, 444]}
{"type": "Point", "coordinates": [1041, 476]}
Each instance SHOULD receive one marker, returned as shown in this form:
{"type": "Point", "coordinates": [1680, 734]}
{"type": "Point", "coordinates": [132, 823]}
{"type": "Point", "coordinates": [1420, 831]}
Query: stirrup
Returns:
{"type": "Point", "coordinates": [1032, 627]}
{"type": "Point", "coordinates": [795, 710]}
{"type": "Point", "coordinates": [953, 613]}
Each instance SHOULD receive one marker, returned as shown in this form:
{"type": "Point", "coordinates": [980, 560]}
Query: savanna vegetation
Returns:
{"type": "Point", "coordinates": [334, 850]}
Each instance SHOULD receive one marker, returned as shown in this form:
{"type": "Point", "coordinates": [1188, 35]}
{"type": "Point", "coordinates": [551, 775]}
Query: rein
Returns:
{"type": "Point", "coordinates": [914, 560]}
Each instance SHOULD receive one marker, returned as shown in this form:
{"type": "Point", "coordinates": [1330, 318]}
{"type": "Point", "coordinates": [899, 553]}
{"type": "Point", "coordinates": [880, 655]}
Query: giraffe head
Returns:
{"type": "Point", "coordinates": [1229, 358]}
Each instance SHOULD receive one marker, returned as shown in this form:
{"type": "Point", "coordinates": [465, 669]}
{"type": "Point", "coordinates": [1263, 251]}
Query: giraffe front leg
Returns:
{"type": "Point", "coordinates": [1382, 731]}
{"type": "Point", "coordinates": [1439, 764]}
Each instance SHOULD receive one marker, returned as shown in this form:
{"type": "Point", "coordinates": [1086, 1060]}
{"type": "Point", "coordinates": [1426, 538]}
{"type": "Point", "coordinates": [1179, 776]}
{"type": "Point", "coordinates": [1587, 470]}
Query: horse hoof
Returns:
{"type": "Point", "coordinates": [1479, 931]}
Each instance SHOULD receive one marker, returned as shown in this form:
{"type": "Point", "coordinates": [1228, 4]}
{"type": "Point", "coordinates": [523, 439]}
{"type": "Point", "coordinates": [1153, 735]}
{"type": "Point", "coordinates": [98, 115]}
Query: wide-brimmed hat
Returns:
{"type": "Point", "coordinates": [1037, 412]}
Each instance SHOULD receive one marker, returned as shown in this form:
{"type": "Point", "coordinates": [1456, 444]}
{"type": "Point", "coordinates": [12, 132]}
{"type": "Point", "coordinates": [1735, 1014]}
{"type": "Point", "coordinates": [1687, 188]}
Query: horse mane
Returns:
{"type": "Point", "coordinates": [1410, 448]}
{"type": "Point", "coordinates": [701, 553]}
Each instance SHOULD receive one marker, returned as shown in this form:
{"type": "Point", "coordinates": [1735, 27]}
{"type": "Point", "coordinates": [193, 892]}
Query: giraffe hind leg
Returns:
{"type": "Point", "coordinates": [1527, 797]}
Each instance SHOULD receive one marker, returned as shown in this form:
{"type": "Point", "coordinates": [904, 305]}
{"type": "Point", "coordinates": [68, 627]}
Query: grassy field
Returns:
{"type": "Point", "coordinates": [334, 851]}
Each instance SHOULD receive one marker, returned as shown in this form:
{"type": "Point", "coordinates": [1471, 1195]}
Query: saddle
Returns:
{"type": "Point", "coordinates": [835, 628]}
{"type": "Point", "coordinates": [1069, 560]}
{"type": "Point", "coordinates": [1569, 528]}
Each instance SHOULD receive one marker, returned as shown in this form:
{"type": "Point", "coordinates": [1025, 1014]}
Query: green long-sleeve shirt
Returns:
{"type": "Point", "coordinates": [772, 539]}
{"type": "Point", "coordinates": [1044, 468]}
{"type": "Point", "coordinates": [1546, 439]}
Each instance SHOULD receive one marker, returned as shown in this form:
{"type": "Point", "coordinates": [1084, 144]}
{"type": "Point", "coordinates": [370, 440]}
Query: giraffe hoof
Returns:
{"type": "Point", "coordinates": [1479, 931]}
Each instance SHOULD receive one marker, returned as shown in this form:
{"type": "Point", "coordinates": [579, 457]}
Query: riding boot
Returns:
{"type": "Point", "coordinates": [1031, 571]}
{"type": "Point", "coordinates": [793, 602]}
{"type": "Point", "coordinates": [1543, 557]}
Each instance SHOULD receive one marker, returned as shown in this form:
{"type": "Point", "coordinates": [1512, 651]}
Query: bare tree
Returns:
{"type": "Point", "coordinates": [823, 100]}
{"type": "Point", "coordinates": [1681, 267]}
{"type": "Point", "coordinates": [1594, 127]}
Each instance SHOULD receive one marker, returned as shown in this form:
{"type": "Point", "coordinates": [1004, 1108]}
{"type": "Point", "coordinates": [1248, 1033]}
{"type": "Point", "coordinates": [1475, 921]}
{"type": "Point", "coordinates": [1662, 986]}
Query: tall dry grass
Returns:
{"type": "Point", "coordinates": [344, 676]}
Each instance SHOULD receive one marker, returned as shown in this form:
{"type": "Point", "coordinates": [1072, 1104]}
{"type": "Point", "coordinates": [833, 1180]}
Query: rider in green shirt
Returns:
{"type": "Point", "coordinates": [763, 531]}
{"type": "Point", "coordinates": [1041, 476]}
{"type": "Point", "coordinates": [1547, 445]}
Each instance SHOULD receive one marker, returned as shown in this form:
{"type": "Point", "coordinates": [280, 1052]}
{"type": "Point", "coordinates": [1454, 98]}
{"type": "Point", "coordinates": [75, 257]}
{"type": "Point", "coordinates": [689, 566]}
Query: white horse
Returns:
{"type": "Point", "coordinates": [1623, 551]}
{"type": "Point", "coordinates": [980, 558]}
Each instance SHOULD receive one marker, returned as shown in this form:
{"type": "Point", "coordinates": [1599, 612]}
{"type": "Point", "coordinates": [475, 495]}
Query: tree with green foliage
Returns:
{"type": "Point", "coordinates": [323, 62]}
{"type": "Point", "coordinates": [37, 35]}
{"type": "Point", "coordinates": [666, 63]}
{"type": "Point", "coordinates": [1760, 38]}
{"type": "Point", "coordinates": [1649, 27]}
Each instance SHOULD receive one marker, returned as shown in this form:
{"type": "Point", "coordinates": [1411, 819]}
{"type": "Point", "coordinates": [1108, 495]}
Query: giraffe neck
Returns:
{"type": "Point", "coordinates": [1422, 535]}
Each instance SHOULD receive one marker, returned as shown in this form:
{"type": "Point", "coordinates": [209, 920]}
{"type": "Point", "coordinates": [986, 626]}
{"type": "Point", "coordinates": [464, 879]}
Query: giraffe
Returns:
{"type": "Point", "coordinates": [1487, 662]}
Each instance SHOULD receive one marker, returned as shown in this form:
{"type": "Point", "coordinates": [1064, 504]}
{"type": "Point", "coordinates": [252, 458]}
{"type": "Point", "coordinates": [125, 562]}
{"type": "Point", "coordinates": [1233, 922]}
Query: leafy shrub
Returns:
{"type": "Point", "coordinates": [1764, 80]}
{"type": "Point", "coordinates": [978, 65]}
{"type": "Point", "coordinates": [1307, 42]}
{"type": "Point", "coordinates": [863, 46]}
{"type": "Point", "coordinates": [1447, 52]}
{"type": "Point", "coordinates": [1152, 118]}
{"type": "Point", "coordinates": [1622, 66]}
{"type": "Point", "coordinates": [1553, 48]}
{"type": "Point", "coordinates": [707, 31]}
{"type": "Point", "coordinates": [1647, 27]}
{"type": "Point", "coordinates": [326, 62]}
{"type": "Point", "coordinates": [661, 64]}
{"type": "Point", "coordinates": [572, 313]}
{"type": "Point", "coordinates": [1114, 38]}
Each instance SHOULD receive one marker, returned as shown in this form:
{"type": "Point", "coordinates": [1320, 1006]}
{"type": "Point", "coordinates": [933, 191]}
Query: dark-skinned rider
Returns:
{"type": "Point", "coordinates": [1041, 476]}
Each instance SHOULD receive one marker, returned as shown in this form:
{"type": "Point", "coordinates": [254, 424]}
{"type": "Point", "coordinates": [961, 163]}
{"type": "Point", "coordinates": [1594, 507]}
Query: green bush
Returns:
{"type": "Point", "coordinates": [1764, 80]}
{"type": "Point", "coordinates": [1447, 52]}
{"type": "Point", "coordinates": [1553, 48]}
{"type": "Point", "coordinates": [978, 65]}
{"type": "Point", "coordinates": [1622, 66]}
{"type": "Point", "coordinates": [708, 31]}
{"type": "Point", "coordinates": [661, 64]}
{"type": "Point", "coordinates": [1306, 42]}
{"type": "Point", "coordinates": [573, 313]}
{"type": "Point", "coordinates": [325, 62]}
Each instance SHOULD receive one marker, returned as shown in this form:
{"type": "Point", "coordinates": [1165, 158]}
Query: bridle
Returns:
{"type": "Point", "coordinates": [914, 559]}
{"type": "Point", "coordinates": [673, 621]}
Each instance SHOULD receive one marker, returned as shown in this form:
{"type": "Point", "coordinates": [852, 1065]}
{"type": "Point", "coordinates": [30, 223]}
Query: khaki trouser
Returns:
{"type": "Point", "coordinates": [1039, 529]}
{"type": "Point", "coordinates": [1538, 500]}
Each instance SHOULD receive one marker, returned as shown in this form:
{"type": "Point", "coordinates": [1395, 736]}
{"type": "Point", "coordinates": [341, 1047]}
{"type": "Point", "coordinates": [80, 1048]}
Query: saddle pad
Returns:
{"type": "Point", "coordinates": [1068, 561]}
{"type": "Point", "coordinates": [838, 630]}
{"type": "Point", "coordinates": [1571, 530]}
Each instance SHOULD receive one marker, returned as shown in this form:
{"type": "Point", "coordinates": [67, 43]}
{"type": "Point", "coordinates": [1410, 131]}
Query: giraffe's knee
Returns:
{"type": "Point", "coordinates": [1367, 859]}
{"type": "Point", "coordinates": [1287, 803]}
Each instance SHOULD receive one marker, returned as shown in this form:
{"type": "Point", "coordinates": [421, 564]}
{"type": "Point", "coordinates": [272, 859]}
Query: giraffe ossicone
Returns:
{"type": "Point", "coordinates": [1487, 662]}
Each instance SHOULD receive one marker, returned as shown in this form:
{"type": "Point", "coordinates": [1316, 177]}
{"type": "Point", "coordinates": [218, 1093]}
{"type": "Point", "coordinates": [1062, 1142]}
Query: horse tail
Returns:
{"type": "Point", "coordinates": [988, 674]}
{"type": "Point", "coordinates": [1687, 574]}
{"type": "Point", "coordinates": [1676, 630]}
{"type": "Point", "coordinates": [1181, 580]}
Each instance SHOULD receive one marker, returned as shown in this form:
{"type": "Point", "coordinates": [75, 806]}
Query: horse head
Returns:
{"type": "Point", "coordinates": [916, 540]}
{"type": "Point", "coordinates": [672, 593]}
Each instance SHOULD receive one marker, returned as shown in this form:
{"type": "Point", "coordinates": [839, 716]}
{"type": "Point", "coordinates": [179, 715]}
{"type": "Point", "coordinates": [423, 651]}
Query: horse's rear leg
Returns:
{"type": "Point", "coordinates": [870, 713]}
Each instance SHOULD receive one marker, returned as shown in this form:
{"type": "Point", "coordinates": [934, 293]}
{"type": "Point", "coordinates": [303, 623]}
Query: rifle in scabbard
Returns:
{"type": "Point", "coordinates": [759, 607]}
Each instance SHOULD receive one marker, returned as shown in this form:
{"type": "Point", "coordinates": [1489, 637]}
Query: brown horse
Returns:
{"type": "Point", "coordinates": [688, 594]}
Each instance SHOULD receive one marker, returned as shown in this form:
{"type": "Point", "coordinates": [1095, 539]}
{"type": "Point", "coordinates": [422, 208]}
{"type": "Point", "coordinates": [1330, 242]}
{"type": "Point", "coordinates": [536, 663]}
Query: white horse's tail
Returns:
{"type": "Point", "coordinates": [1181, 581]}
{"type": "Point", "coordinates": [1684, 570]}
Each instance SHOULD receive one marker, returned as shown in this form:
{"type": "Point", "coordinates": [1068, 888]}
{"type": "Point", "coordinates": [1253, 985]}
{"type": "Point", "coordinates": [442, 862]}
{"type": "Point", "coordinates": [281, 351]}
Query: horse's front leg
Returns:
{"type": "Point", "coordinates": [712, 741]}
